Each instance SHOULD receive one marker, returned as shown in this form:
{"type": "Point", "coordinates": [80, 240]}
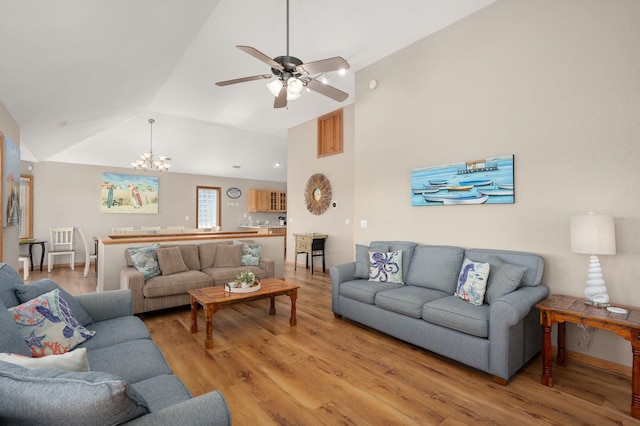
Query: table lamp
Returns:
{"type": "Point", "coordinates": [594, 234]}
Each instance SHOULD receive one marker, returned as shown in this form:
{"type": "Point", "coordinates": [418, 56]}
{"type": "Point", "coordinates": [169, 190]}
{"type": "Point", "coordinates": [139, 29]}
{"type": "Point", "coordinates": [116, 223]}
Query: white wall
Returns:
{"type": "Point", "coordinates": [554, 82]}
{"type": "Point", "coordinates": [70, 195]}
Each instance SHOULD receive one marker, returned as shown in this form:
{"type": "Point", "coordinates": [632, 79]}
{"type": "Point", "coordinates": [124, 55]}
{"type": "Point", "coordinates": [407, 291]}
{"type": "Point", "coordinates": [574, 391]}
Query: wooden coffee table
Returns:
{"type": "Point", "coordinates": [215, 298]}
{"type": "Point", "coordinates": [559, 309]}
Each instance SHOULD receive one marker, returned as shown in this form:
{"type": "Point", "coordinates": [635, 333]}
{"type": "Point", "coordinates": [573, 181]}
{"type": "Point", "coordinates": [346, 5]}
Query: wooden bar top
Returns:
{"type": "Point", "coordinates": [182, 236]}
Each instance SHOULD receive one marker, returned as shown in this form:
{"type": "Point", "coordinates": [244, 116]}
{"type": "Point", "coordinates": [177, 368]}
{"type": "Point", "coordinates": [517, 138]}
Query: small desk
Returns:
{"type": "Point", "coordinates": [312, 245]}
{"type": "Point", "coordinates": [560, 309]}
{"type": "Point", "coordinates": [31, 244]}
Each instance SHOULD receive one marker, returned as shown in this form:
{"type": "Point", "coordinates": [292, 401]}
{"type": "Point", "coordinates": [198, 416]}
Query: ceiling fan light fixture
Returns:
{"type": "Point", "coordinates": [294, 86]}
{"type": "Point", "coordinates": [274, 87]}
{"type": "Point", "coordinates": [292, 96]}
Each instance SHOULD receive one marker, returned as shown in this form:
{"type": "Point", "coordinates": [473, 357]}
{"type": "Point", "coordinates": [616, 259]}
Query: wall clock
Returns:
{"type": "Point", "coordinates": [317, 194]}
{"type": "Point", "coordinates": [234, 193]}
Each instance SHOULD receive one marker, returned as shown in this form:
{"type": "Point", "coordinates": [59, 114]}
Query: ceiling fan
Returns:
{"type": "Point", "coordinates": [292, 75]}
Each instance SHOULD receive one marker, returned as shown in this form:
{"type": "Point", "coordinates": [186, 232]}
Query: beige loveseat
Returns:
{"type": "Point", "coordinates": [188, 267]}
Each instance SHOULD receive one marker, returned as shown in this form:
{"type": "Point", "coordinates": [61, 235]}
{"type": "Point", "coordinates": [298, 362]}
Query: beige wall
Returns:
{"type": "Point", "coordinates": [10, 129]}
{"type": "Point", "coordinates": [302, 164]}
{"type": "Point", "coordinates": [556, 83]}
{"type": "Point", "coordinates": [70, 195]}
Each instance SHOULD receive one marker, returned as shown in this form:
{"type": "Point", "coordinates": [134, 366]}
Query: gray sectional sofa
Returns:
{"type": "Point", "coordinates": [204, 265]}
{"type": "Point", "coordinates": [498, 337]}
{"type": "Point", "coordinates": [129, 381]}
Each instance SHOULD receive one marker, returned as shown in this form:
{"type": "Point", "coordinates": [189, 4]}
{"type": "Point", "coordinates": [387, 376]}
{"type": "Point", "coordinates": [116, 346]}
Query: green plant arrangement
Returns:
{"type": "Point", "coordinates": [246, 277]}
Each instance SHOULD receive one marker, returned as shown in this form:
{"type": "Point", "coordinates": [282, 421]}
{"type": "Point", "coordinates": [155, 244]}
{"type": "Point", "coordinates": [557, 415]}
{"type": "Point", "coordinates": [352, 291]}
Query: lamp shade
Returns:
{"type": "Point", "coordinates": [593, 234]}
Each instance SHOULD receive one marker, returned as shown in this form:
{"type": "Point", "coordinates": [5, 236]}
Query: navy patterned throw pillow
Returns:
{"type": "Point", "coordinates": [385, 266]}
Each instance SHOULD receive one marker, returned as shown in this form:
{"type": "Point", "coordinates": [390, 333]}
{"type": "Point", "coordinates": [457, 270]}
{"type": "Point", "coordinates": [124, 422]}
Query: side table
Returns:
{"type": "Point", "coordinates": [312, 245]}
{"type": "Point", "coordinates": [559, 309]}
{"type": "Point", "coordinates": [31, 244]}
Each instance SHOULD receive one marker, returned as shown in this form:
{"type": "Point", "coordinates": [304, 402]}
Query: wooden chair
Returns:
{"type": "Point", "coordinates": [87, 254]}
{"type": "Point", "coordinates": [26, 265]}
{"type": "Point", "coordinates": [61, 244]}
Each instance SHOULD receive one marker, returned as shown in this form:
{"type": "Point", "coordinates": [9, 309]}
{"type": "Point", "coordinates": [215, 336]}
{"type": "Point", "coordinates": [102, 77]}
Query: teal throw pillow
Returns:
{"type": "Point", "coordinates": [145, 259]}
{"type": "Point", "coordinates": [250, 254]}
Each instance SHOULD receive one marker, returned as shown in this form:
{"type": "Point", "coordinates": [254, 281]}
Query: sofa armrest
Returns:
{"type": "Point", "coordinates": [514, 330]}
{"type": "Point", "coordinates": [208, 409]}
{"type": "Point", "coordinates": [339, 274]}
{"type": "Point", "coordinates": [132, 279]}
{"type": "Point", "coordinates": [268, 265]}
{"type": "Point", "coordinates": [106, 304]}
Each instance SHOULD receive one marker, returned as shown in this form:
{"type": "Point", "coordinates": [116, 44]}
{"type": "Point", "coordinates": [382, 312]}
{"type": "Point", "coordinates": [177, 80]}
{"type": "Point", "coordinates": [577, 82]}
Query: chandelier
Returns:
{"type": "Point", "coordinates": [147, 162]}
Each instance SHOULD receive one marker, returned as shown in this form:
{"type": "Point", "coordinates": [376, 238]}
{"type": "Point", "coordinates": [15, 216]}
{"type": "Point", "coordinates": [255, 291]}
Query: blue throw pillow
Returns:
{"type": "Point", "coordinates": [51, 396]}
{"type": "Point", "coordinates": [145, 259]}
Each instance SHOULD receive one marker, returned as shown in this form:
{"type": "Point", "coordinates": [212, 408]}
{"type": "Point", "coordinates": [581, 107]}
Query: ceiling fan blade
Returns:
{"type": "Point", "coordinates": [260, 56]}
{"type": "Point", "coordinates": [327, 90]}
{"type": "Point", "coordinates": [325, 65]}
{"type": "Point", "coordinates": [281, 100]}
{"type": "Point", "coordinates": [243, 79]}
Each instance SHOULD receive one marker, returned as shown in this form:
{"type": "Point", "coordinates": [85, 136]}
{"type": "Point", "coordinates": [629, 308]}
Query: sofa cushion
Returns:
{"type": "Point", "coordinates": [472, 281]}
{"type": "Point", "coordinates": [145, 260]}
{"type": "Point", "coordinates": [228, 256]}
{"type": "Point", "coordinates": [365, 291]}
{"type": "Point", "coordinates": [385, 266]}
{"type": "Point", "coordinates": [455, 313]}
{"type": "Point", "coordinates": [42, 397]}
{"type": "Point", "coordinates": [435, 267]}
{"type": "Point", "coordinates": [9, 278]}
{"type": "Point", "coordinates": [75, 360]}
{"type": "Point", "coordinates": [406, 247]}
{"type": "Point", "coordinates": [170, 261]}
{"type": "Point", "coordinates": [362, 257]}
{"type": "Point", "coordinates": [162, 391]}
{"type": "Point", "coordinates": [503, 279]}
{"type": "Point", "coordinates": [141, 359]}
{"type": "Point", "coordinates": [181, 283]}
{"type": "Point", "coordinates": [26, 292]}
{"type": "Point", "coordinates": [225, 275]}
{"type": "Point", "coordinates": [208, 253]}
{"type": "Point", "coordinates": [407, 300]}
{"type": "Point", "coordinates": [48, 325]}
{"type": "Point", "coordinates": [116, 330]}
{"type": "Point", "coordinates": [11, 340]}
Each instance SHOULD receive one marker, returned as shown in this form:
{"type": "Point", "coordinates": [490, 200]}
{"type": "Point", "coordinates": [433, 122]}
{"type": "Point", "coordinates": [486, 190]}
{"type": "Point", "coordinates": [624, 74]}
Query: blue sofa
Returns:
{"type": "Point", "coordinates": [498, 337]}
{"type": "Point", "coordinates": [129, 381]}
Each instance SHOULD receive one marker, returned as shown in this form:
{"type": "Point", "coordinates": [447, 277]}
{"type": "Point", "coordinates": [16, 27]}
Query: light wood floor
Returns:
{"type": "Point", "coordinates": [328, 371]}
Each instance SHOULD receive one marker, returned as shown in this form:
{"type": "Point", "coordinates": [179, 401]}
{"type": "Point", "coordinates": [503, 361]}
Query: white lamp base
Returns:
{"type": "Point", "coordinates": [596, 290]}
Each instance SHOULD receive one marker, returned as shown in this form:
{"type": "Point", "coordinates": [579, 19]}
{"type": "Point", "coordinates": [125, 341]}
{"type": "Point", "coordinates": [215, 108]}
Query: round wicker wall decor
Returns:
{"type": "Point", "coordinates": [317, 194]}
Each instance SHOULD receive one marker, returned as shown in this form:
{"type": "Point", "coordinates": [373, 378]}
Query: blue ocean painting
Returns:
{"type": "Point", "coordinates": [481, 181]}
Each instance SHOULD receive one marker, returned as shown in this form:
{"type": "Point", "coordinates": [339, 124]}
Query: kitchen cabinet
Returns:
{"type": "Point", "coordinates": [267, 201]}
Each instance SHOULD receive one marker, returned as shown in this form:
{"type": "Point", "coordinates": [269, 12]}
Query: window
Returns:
{"type": "Point", "coordinates": [207, 206]}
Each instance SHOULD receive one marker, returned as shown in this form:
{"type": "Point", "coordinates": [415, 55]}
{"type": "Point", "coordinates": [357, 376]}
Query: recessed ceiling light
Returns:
{"type": "Point", "coordinates": [276, 165]}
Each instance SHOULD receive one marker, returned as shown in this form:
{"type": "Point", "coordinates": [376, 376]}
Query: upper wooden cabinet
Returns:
{"type": "Point", "coordinates": [330, 134]}
{"type": "Point", "coordinates": [269, 201]}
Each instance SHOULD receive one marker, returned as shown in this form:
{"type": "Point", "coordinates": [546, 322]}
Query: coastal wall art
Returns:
{"type": "Point", "coordinates": [487, 180]}
{"type": "Point", "coordinates": [129, 194]}
{"type": "Point", "coordinates": [11, 181]}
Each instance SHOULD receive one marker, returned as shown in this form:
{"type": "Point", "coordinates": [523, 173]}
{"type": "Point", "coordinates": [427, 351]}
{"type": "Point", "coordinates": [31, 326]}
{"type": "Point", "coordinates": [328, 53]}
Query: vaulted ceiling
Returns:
{"type": "Point", "coordinates": [82, 77]}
